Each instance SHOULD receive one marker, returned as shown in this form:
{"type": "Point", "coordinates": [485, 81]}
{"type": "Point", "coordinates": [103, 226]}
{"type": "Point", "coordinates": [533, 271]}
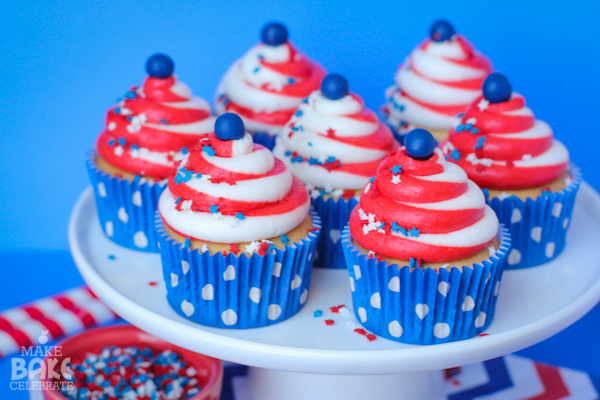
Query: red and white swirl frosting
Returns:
{"type": "Point", "coordinates": [240, 179]}
{"type": "Point", "coordinates": [334, 143]}
{"type": "Point", "coordinates": [146, 131]}
{"type": "Point", "coordinates": [432, 196]}
{"type": "Point", "coordinates": [514, 150]}
{"type": "Point", "coordinates": [266, 85]}
{"type": "Point", "coordinates": [436, 82]}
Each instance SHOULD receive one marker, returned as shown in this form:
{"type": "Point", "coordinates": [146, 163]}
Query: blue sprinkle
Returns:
{"type": "Point", "coordinates": [372, 179]}
{"type": "Point", "coordinates": [134, 146]}
{"type": "Point", "coordinates": [461, 115]}
{"type": "Point", "coordinates": [117, 110]}
{"type": "Point", "coordinates": [395, 227]}
{"type": "Point", "coordinates": [122, 141]}
{"type": "Point", "coordinates": [298, 113]}
{"type": "Point", "coordinates": [187, 243]}
{"type": "Point", "coordinates": [455, 155]}
{"type": "Point", "coordinates": [459, 128]}
{"type": "Point", "coordinates": [413, 263]}
{"type": "Point", "coordinates": [401, 108]}
{"type": "Point", "coordinates": [468, 126]}
{"type": "Point", "coordinates": [178, 200]}
{"type": "Point", "coordinates": [291, 81]}
{"type": "Point", "coordinates": [414, 232]}
{"type": "Point", "coordinates": [285, 239]}
{"type": "Point", "coordinates": [214, 209]}
{"type": "Point", "coordinates": [294, 128]}
{"type": "Point", "coordinates": [209, 150]}
{"type": "Point", "coordinates": [317, 313]}
{"type": "Point", "coordinates": [256, 69]}
{"type": "Point", "coordinates": [184, 150]}
{"type": "Point", "coordinates": [163, 121]}
{"type": "Point", "coordinates": [305, 100]}
{"type": "Point", "coordinates": [313, 161]}
{"type": "Point", "coordinates": [474, 131]}
{"type": "Point", "coordinates": [403, 231]}
{"type": "Point", "coordinates": [240, 216]}
{"type": "Point", "coordinates": [397, 169]}
{"type": "Point", "coordinates": [330, 160]}
{"type": "Point", "coordinates": [297, 159]}
{"type": "Point", "coordinates": [111, 142]}
{"type": "Point", "coordinates": [128, 119]}
{"type": "Point", "coordinates": [111, 257]}
{"type": "Point", "coordinates": [310, 144]}
{"type": "Point", "coordinates": [129, 94]}
{"type": "Point", "coordinates": [480, 142]}
{"type": "Point", "coordinates": [381, 226]}
{"type": "Point", "coordinates": [288, 153]}
{"type": "Point", "coordinates": [271, 247]}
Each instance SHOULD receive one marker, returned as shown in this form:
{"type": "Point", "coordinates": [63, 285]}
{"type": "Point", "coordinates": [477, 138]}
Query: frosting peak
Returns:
{"type": "Point", "coordinates": [423, 209]}
{"type": "Point", "coordinates": [148, 128]}
{"type": "Point", "coordinates": [334, 143]}
{"type": "Point", "coordinates": [232, 191]}
{"type": "Point", "coordinates": [266, 85]}
{"type": "Point", "coordinates": [502, 145]}
{"type": "Point", "coordinates": [436, 82]}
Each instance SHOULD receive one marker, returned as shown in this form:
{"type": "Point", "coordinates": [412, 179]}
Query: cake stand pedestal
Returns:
{"type": "Point", "coordinates": [303, 358]}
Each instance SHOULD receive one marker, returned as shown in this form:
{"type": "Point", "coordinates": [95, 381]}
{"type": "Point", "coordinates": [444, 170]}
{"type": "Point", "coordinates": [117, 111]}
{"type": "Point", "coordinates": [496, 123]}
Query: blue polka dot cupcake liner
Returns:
{"type": "Point", "coordinates": [126, 208]}
{"type": "Point", "coordinates": [265, 139]}
{"type": "Point", "coordinates": [334, 217]}
{"type": "Point", "coordinates": [538, 227]}
{"type": "Point", "coordinates": [237, 292]}
{"type": "Point", "coordinates": [424, 306]}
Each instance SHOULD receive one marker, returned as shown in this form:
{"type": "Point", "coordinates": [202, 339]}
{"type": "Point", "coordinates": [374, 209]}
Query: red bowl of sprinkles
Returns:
{"type": "Point", "coordinates": [200, 371]}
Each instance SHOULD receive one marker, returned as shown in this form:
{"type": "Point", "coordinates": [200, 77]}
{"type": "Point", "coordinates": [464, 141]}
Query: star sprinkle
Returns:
{"type": "Point", "coordinates": [414, 232]}
{"type": "Point", "coordinates": [395, 227]}
{"type": "Point", "coordinates": [234, 248]}
{"type": "Point", "coordinates": [252, 247]}
{"type": "Point", "coordinates": [209, 150]}
{"type": "Point", "coordinates": [396, 169]}
{"type": "Point", "coordinates": [317, 313]}
{"type": "Point", "coordinates": [313, 161]}
{"type": "Point", "coordinates": [183, 175]}
{"type": "Point", "coordinates": [187, 243]}
{"type": "Point", "coordinates": [214, 209]}
{"type": "Point", "coordinates": [330, 160]}
{"type": "Point", "coordinates": [240, 216]}
{"type": "Point", "coordinates": [330, 132]}
{"type": "Point", "coordinates": [483, 104]}
{"type": "Point", "coordinates": [480, 142]}
{"type": "Point", "coordinates": [264, 247]}
{"type": "Point", "coordinates": [336, 309]}
{"type": "Point", "coordinates": [455, 155]}
{"type": "Point", "coordinates": [396, 179]}
{"type": "Point", "coordinates": [284, 239]}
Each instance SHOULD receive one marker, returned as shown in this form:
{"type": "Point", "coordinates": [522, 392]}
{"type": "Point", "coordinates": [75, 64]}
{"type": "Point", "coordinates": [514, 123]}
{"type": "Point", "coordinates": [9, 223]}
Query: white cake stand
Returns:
{"type": "Point", "coordinates": [303, 358]}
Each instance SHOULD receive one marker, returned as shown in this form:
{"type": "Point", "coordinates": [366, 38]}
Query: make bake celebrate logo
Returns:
{"type": "Point", "coordinates": [40, 368]}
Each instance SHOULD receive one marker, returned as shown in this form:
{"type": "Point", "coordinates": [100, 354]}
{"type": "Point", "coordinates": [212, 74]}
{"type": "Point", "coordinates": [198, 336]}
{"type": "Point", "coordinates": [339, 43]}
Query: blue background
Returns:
{"type": "Point", "coordinates": [62, 66]}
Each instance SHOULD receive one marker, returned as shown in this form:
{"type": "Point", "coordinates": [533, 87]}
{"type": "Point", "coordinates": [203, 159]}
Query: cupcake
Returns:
{"type": "Point", "coordinates": [145, 134]}
{"type": "Point", "coordinates": [522, 168]}
{"type": "Point", "coordinates": [334, 144]}
{"type": "Point", "coordinates": [436, 82]}
{"type": "Point", "coordinates": [267, 85]}
{"type": "Point", "coordinates": [236, 236]}
{"type": "Point", "coordinates": [424, 251]}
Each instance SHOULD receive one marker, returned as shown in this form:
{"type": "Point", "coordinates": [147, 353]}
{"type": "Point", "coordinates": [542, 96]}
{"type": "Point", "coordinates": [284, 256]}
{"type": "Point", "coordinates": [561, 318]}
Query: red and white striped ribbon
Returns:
{"type": "Point", "coordinates": [51, 317]}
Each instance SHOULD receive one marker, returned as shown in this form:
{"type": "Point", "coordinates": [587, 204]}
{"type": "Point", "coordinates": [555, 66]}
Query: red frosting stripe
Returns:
{"type": "Point", "coordinates": [393, 213]}
{"type": "Point", "coordinates": [128, 138]}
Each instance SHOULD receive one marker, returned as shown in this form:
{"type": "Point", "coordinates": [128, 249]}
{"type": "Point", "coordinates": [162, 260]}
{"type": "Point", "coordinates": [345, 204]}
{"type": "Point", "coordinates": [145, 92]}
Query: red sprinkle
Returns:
{"type": "Point", "coordinates": [348, 194]}
{"type": "Point", "coordinates": [484, 334]}
{"type": "Point", "coordinates": [234, 248]}
{"type": "Point", "coordinates": [360, 331]}
{"type": "Point", "coordinates": [313, 229]}
{"type": "Point", "coordinates": [152, 283]}
{"type": "Point", "coordinates": [371, 337]}
{"type": "Point", "coordinates": [336, 309]}
{"type": "Point", "coordinates": [329, 321]}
